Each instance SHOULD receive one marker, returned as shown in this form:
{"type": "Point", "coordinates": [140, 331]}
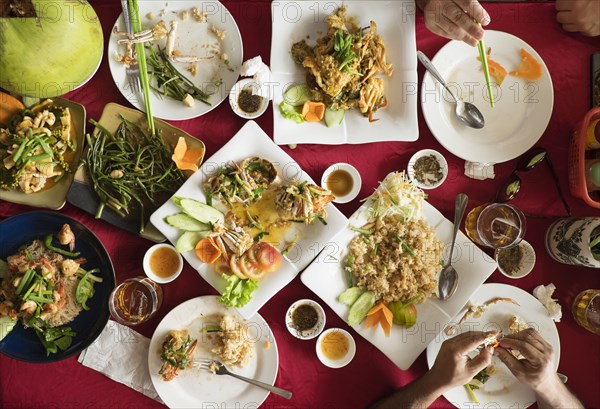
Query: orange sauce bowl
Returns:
{"type": "Point", "coordinates": [162, 263]}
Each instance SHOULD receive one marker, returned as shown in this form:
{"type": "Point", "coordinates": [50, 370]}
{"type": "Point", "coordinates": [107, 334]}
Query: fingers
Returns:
{"type": "Point", "coordinates": [512, 363]}
{"type": "Point", "coordinates": [562, 5]}
{"type": "Point", "coordinates": [474, 9]}
{"type": "Point", "coordinates": [531, 337]}
{"type": "Point", "coordinates": [527, 350]}
{"type": "Point", "coordinates": [457, 19]}
{"type": "Point", "coordinates": [468, 341]}
{"type": "Point", "coordinates": [482, 360]}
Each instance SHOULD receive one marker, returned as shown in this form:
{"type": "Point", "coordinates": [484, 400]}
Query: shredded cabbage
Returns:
{"type": "Point", "coordinates": [396, 195]}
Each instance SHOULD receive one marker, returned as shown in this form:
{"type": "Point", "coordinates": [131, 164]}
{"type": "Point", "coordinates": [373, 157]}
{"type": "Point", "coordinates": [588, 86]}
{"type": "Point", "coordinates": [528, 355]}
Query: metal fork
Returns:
{"type": "Point", "coordinates": [132, 71]}
{"type": "Point", "coordinates": [218, 368]}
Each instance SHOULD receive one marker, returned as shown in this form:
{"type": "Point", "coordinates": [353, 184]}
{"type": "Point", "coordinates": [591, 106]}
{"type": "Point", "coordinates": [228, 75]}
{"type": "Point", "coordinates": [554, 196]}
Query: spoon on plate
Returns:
{"type": "Point", "coordinates": [465, 111]}
{"type": "Point", "coordinates": [448, 280]}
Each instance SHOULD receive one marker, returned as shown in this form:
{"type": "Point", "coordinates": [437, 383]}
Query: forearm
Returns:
{"type": "Point", "coordinates": [557, 395]}
{"type": "Point", "coordinates": [419, 394]}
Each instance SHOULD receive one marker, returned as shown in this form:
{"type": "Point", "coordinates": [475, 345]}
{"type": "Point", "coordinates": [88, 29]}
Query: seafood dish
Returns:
{"type": "Point", "coordinates": [343, 67]}
{"type": "Point", "coordinates": [37, 147]}
{"type": "Point", "coordinates": [240, 226]}
{"type": "Point", "coordinates": [176, 353]}
{"type": "Point", "coordinates": [46, 288]}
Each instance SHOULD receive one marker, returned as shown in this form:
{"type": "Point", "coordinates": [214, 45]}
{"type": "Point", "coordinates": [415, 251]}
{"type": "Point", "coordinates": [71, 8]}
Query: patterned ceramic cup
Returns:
{"type": "Point", "coordinates": [568, 240]}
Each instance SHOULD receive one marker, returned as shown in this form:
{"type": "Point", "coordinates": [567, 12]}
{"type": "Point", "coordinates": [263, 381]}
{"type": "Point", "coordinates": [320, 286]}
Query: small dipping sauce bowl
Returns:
{"type": "Point", "coordinates": [162, 263]}
{"type": "Point", "coordinates": [244, 103]}
{"type": "Point", "coordinates": [305, 319]}
{"type": "Point", "coordinates": [335, 348]}
{"type": "Point", "coordinates": [427, 179]}
{"type": "Point", "coordinates": [343, 180]}
{"type": "Point", "coordinates": [516, 262]}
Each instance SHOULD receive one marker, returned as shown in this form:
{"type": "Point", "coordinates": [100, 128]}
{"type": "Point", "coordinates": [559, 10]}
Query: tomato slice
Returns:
{"type": "Point", "coordinates": [252, 253]}
{"type": "Point", "coordinates": [269, 259]}
{"type": "Point", "coordinates": [235, 267]}
{"type": "Point", "coordinates": [250, 269]}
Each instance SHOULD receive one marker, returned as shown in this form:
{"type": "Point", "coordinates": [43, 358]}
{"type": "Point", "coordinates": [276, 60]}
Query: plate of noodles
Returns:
{"type": "Point", "coordinates": [343, 53]}
{"type": "Point", "coordinates": [52, 285]}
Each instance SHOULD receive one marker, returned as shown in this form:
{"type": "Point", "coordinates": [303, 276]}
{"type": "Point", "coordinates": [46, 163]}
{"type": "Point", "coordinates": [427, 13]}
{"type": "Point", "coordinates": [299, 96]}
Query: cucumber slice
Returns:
{"type": "Point", "coordinates": [6, 325]}
{"type": "Point", "coordinates": [360, 308]}
{"type": "Point", "coordinates": [350, 295]}
{"type": "Point", "coordinates": [333, 117]}
{"type": "Point", "coordinates": [182, 221]}
{"type": "Point", "coordinates": [199, 211]}
{"type": "Point", "coordinates": [297, 95]}
{"type": "Point", "coordinates": [188, 240]}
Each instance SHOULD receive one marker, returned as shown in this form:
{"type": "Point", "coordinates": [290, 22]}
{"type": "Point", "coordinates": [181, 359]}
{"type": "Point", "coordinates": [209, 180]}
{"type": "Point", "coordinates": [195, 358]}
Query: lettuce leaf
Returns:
{"type": "Point", "coordinates": [238, 292]}
{"type": "Point", "coordinates": [289, 112]}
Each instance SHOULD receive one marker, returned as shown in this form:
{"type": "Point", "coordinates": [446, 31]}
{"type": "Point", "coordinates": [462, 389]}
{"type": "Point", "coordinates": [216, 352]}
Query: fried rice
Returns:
{"type": "Point", "coordinates": [397, 261]}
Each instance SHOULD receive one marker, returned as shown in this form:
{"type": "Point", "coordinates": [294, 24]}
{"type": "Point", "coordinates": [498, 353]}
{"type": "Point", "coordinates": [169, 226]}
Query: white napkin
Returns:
{"type": "Point", "coordinates": [260, 72]}
{"type": "Point", "coordinates": [544, 294]}
{"type": "Point", "coordinates": [121, 354]}
{"type": "Point", "coordinates": [479, 171]}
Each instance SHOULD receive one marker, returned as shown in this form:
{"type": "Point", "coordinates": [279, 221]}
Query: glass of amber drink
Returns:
{"type": "Point", "coordinates": [496, 225]}
{"type": "Point", "coordinates": [135, 301]}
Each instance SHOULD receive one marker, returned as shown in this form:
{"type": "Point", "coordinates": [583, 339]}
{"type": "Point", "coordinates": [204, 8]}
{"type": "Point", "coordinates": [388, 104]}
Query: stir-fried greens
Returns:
{"type": "Point", "coordinates": [36, 147]}
{"type": "Point", "coordinates": [129, 168]}
{"type": "Point", "coordinates": [243, 183]}
{"type": "Point", "coordinates": [303, 202]}
{"type": "Point", "coordinates": [46, 289]}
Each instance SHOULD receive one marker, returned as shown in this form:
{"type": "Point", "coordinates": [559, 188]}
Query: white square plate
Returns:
{"type": "Point", "coordinates": [251, 140]}
{"type": "Point", "coordinates": [297, 20]}
{"type": "Point", "coordinates": [327, 278]}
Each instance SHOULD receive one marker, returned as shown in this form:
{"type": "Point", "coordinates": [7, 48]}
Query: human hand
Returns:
{"type": "Point", "coordinates": [455, 19]}
{"type": "Point", "coordinates": [537, 369]}
{"type": "Point", "coordinates": [453, 367]}
{"type": "Point", "coordinates": [579, 16]}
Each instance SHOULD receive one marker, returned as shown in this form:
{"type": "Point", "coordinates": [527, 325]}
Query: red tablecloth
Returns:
{"type": "Point", "coordinates": [370, 376]}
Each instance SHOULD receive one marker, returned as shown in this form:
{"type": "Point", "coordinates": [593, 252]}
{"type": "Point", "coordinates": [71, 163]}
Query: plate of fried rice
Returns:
{"type": "Point", "coordinates": [394, 247]}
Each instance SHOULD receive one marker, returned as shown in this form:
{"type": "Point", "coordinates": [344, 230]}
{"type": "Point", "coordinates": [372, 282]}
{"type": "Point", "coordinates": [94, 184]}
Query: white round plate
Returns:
{"type": "Point", "coordinates": [193, 38]}
{"type": "Point", "coordinates": [197, 388]}
{"type": "Point", "coordinates": [502, 390]}
{"type": "Point", "coordinates": [522, 108]}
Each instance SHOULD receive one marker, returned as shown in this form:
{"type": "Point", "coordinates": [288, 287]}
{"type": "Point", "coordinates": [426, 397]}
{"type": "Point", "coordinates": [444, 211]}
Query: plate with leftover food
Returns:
{"type": "Point", "coordinates": [249, 220]}
{"type": "Point", "coordinates": [38, 168]}
{"type": "Point", "coordinates": [507, 309]}
{"type": "Point", "coordinates": [122, 133]}
{"type": "Point", "coordinates": [193, 52]}
{"type": "Point", "coordinates": [204, 328]}
{"type": "Point", "coordinates": [380, 272]}
{"type": "Point", "coordinates": [523, 98]}
{"type": "Point", "coordinates": [335, 70]}
{"type": "Point", "coordinates": [63, 278]}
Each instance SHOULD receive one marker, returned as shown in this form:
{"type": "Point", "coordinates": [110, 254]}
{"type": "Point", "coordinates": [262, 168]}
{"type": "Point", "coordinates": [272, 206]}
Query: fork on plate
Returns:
{"type": "Point", "coordinates": [131, 71]}
{"type": "Point", "coordinates": [218, 368]}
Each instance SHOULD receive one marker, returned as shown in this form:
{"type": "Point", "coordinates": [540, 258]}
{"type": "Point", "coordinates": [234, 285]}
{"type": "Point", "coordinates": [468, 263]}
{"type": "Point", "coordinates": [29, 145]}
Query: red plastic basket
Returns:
{"type": "Point", "coordinates": [577, 183]}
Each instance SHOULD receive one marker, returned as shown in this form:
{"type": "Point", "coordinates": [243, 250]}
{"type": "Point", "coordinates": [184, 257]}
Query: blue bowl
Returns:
{"type": "Point", "coordinates": [16, 231]}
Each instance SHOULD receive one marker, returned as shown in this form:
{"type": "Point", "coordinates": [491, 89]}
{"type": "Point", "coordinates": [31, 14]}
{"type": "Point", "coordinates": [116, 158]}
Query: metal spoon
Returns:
{"type": "Point", "coordinates": [465, 111]}
{"type": "Point", "coordinates": [448, 280]}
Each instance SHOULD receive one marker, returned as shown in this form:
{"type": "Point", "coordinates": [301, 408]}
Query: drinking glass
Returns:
{"type": "Point", "coordinates": [496, 225]}
{"type": "Point", "coordinates": [586, 310]}
{"type": "Point", "coordinates": [135, 300]}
